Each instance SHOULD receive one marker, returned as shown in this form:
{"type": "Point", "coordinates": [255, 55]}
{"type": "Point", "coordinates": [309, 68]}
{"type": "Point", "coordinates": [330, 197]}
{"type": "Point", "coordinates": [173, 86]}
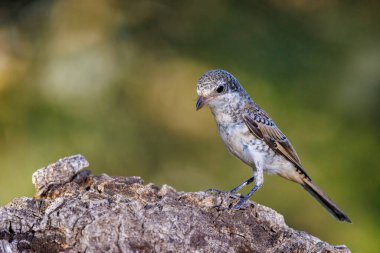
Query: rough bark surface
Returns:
{"type": "Point", "coordinates": [75, 211]}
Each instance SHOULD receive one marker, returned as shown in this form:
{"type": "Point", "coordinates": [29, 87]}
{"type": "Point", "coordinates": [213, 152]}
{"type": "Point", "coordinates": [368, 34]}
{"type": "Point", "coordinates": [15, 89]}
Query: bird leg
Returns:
{"type": "Point", "coordinates": [242, 185]}
{"type": "Point", "coordinates": [259, 175]}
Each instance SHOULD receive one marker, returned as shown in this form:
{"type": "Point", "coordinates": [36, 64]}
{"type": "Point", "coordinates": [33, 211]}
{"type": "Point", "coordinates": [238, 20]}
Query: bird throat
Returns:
{"type": "Point", "coordinates": [227, 108]}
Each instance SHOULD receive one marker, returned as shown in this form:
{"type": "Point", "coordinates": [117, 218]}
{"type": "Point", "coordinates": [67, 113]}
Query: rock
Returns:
{"type": "Point", "coordinates": [74, 211]}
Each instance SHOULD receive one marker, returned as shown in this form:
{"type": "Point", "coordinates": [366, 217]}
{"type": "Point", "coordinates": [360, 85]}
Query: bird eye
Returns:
{"type": "Point", "coordinates": [220, 89]}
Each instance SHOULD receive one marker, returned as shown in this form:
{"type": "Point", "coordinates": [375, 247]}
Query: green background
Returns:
{"type": "Point", "coordinates": [115, 81]}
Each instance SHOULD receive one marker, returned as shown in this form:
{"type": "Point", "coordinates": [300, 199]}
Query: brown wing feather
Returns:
{"type": "Point", "coordinates": [259, 123]}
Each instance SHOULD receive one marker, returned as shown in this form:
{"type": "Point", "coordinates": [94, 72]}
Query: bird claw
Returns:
{"type": "Point", "coordinates": [242, 204]}
{"type": "Point", "coordinates": [227, 193]}
{"type": "Point", "coordinates": [231, 206]}
{"type": "Point", "coordinates": [238, 206]}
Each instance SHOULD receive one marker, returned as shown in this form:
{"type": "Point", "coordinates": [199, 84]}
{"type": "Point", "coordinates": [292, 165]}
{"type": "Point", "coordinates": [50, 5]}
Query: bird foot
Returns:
{"type": "Point", "coordinates": [242, 204]}
{"type": "Point", "coordinates": [238, 206]}
{"type": "Point", "coordinates": [231, 207]}
{"type": "Point", "coordinates": [226, 193]}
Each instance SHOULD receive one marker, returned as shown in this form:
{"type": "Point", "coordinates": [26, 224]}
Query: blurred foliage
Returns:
{"type": "Point", "coordinates": [115, 81]}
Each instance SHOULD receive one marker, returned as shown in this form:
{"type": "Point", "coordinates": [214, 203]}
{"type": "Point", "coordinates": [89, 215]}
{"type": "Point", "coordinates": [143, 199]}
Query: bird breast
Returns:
{"type": "Point", "coordinates": [239, 141]}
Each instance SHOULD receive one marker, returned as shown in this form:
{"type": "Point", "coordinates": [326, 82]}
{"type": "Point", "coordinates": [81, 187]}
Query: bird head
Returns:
{"type": "Point", "coordinates": [215, 86]}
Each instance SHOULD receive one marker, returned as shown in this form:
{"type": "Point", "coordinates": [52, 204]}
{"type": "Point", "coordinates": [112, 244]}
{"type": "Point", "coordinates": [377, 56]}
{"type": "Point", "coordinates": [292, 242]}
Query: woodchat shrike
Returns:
{"type": "Point", "coordinates": [251, 135]}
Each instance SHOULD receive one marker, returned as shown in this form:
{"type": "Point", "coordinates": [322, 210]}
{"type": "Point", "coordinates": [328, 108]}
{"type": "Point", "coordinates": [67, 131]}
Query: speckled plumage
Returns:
{"type": "Point", "coordinates": [251, 135]}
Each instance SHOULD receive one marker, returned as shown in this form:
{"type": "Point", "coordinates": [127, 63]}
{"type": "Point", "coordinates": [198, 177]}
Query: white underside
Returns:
{"type": "Point", "coordinates": [255, 152]}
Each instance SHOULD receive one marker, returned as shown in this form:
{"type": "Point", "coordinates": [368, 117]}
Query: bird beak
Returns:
{"type": "Point", "coordinates": [200, 102]}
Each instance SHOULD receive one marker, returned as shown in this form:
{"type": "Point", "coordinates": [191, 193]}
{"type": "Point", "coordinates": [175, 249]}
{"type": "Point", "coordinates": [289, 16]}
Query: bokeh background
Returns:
{"type": "Point", "coordinates": [115, 81]}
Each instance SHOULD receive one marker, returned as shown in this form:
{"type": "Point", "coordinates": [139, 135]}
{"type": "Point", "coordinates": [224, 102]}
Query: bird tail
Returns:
{"type": "Point", "coordinates": [322, 198]}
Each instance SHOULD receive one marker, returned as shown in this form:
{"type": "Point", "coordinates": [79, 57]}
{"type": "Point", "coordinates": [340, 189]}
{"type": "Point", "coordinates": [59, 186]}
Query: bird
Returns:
{"type": "Point", "coordinates": [252, 136]}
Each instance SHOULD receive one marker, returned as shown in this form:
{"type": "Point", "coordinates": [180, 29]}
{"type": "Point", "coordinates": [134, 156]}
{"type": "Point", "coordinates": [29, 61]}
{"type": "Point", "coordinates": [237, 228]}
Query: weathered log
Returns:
{"type": "Point", "coordinates": [74, 211]}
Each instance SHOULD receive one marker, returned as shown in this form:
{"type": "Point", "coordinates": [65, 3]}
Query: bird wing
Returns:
{"type": "Point", "coordinates": [262, 126]}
